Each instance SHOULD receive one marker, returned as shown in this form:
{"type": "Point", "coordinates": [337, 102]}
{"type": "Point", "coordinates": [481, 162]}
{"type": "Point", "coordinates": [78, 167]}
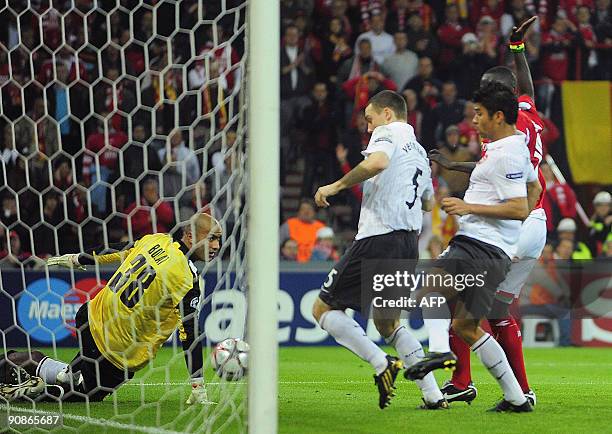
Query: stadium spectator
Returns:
{"type": "Point", "coordinates": [289, 250]}
{"type": "Point", "coordinates": [556, 44]}
{"type": "Point", "coordinates": [359, 64]}
{"type": "Point", "coordinates": [359, 90]}
{"type": "Point", "coordinates": [139, 159]}
{"type": "Point", "coordinates": [44, 235]}
{"type": "Point", "coordinates": [420, 39]}
{"type": "Point", "coordinates": [320, 122]}
{"type": "Point", "coordinates": [424, 83]}
{"type": "Point", "coordinates": [468, 134]}
{"type": "Point", "coordinates": [336, 51]}
{"type": "Point", "coordinates": [566, 231]}
{"type": "Point", "coordinates": [600, 223]}
{"type": "Point", "coordinates": [324, 248]}
{"type": "Point", "coordinates": [397, 17]}
{"type": "Point", "coordinates": [308, 39]}
{"type": "Point", "coordinates": [303, 229]}
{"type": "Point", "coordinates": [180, 166]}
{"type": "Point", "coordinates": [150, 215]}
{"type": "Point", "coordinates": [102, 150]}
{"type": "Point", "coordinates": [516, 15]}
{"type": "Point", "coordinates": [224, 186]}
{"type": "Point", "coordinates": [481, 8]}
{"type": "Point", "coordinates": [294, 87]}
{"type": "Point", "coordinates": [402, 65]}
{"type": "Point", "coordinates": [15, 256]}
{"type": "Point", "coordinates": [422, 10]}
{"type": "Point", "coordinates": [420, 119]}
{"type": "Point", "coordinates": [559, 200]}
{"type": "Point", "coordinates": [382, 42]}
{"type": "Point", "coordinates": [450, 34]}
{"type": "Point", "coordinates": [449, 111]}
{"type": "Point", "coordinates": [486, 30]}
{"type": "Point", "coordinates": [586, 43]}
{"type": "Point", "coordinates": [226, 58]}
{"type": "Point", "coordinates": [469, 67]}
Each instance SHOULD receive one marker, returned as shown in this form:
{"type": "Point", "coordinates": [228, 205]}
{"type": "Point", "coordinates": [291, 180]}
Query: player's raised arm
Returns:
{"type": "Point", "coordinates": [517, 46]}
{"type": "Point", "coordinates": [92, 257]}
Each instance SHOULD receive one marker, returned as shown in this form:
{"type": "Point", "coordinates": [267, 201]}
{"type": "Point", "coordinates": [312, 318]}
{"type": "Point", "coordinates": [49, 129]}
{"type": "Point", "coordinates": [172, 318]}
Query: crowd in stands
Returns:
{"type": "Point", "coordinates": [336, 54]}
{"type": "Point", "coordinates": [118, 122]}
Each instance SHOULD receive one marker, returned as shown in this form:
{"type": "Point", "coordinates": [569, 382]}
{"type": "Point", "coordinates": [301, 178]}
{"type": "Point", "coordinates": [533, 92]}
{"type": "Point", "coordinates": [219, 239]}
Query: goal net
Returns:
{"type": "Point", "coordinates": [120, 119]}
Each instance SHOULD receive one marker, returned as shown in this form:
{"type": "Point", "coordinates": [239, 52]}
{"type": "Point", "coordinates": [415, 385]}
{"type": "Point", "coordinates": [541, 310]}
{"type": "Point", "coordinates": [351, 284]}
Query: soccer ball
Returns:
{"type": "Point", "coordinates": [230, 359]}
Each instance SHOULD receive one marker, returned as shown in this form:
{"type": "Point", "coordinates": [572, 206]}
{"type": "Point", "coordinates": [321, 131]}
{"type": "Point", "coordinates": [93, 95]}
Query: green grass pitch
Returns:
{"type": "Point", "coordinates": [329, 390]}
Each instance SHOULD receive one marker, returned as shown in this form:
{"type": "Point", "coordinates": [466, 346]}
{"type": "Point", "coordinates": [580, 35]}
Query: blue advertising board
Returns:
{"type": "Point", "coordinates": [40, 308]}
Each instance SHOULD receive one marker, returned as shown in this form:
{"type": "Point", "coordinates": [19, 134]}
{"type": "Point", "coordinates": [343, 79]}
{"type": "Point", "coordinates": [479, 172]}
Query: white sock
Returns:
{"type": "Point", "coordinates": [48, 369]}
{"type": "Point", "coordinates": [411, 351]}
{"type": "Point", "coordinates": [351, 335]}
{"type": "Point", "coordinates": [437, 328]}
{"type": "Point", "coordinates": [493, 357]}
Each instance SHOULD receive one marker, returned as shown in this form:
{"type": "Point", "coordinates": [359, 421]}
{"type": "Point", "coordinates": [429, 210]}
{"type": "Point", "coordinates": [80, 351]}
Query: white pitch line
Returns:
{"type": "Point", "coordinates": [93, 420]}
{"type": "Point", "coordinates": [567, 383]}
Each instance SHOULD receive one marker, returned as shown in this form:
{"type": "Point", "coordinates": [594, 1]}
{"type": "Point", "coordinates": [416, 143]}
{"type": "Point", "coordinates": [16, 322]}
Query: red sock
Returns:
{"type": "Point", "coordinates": [508, 334]}
{"type": "Point", "coordinates": [462, 375]}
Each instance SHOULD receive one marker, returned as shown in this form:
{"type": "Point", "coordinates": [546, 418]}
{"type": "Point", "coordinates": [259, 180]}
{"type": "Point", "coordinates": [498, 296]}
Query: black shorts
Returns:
{"type": "Point", "coordinates": [342, 288]}
{"type": "Point", "coordinates": [100, 377]}
{"type": "Point", "coordinates": [470, 256]}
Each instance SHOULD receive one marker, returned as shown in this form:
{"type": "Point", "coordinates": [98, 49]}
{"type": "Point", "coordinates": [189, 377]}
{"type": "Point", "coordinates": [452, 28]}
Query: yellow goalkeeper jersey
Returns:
{"type": "Point", "coordinates": [137, 310]}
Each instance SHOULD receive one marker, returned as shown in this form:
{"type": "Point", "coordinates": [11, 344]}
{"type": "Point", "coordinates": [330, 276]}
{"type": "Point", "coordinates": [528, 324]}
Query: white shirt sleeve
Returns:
{"type": "Point", "coordinates": [509, 176]}
{"type": "Point", "coordinates": [381, 141]}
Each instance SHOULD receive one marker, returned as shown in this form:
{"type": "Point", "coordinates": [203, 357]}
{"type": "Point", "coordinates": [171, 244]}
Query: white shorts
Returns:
{"type": "Point", "coordinates": [532, 240]}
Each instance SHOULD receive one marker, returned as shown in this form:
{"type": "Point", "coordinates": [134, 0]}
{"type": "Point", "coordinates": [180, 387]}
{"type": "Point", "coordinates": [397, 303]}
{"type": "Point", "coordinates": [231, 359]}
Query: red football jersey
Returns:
{"type": "Point", "coordinates": [530, 124]}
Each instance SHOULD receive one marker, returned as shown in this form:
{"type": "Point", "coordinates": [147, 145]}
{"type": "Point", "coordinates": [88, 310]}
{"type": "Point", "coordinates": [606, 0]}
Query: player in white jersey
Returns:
{"type": "Point", "coordinates": [397, 187]}
{"type": "Point", "coordinates": [532, 238]}
{"type": "Point", "coordinates": [503, 188]}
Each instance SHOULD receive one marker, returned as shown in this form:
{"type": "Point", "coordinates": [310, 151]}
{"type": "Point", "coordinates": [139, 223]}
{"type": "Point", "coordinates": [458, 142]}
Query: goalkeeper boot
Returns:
{"type": "Point", "coordinates": [16, 383]}
{"type": "Point", "coordinates": [504, 406]}
{"type": "Point", "coordinates": [440, 405]}
{"type": "Point", "coordinates": [431, 361]}
{"type": "Point", "coordinates": [386, 380]}
{"type": "Point", "coordinates": [531, 397]}
{"type": "Point", "coordinates": [452, 393]}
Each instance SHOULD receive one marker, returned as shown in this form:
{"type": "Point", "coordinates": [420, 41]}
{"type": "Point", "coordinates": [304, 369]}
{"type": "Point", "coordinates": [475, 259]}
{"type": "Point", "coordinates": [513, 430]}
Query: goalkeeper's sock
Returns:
{"type": "Point", "coordinates": [411, 351]}
{"type": "Point", "coordinates": [494, 359]}
{"type": "Point", "coordinates": [48, 369]}
{"type": "Point", "coordinates": [348, 333]}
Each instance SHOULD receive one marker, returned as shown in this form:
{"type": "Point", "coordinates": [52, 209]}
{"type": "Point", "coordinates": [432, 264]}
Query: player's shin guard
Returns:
{"type": "Point", "coordinates": [410, 351]}
{"type": "Point", "coordinates": [437, 329]}
{"type": "Point", "coordinates": [508, 334]}
{"type": "Point", "coordinates": [48, 369]}
{"type": "Point", "coordinates": [494, 359]}
{"type": "Point", "coordinates": [348, 333]}
{"type": "Point", "coordinates": [462, 375]}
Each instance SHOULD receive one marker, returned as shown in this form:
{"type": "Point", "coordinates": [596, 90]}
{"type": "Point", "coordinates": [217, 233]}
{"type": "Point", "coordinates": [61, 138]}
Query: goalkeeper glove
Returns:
{"type": "Point", "coordinates": [68, 261]}
{"type": "Point", "coordinates": [198, 392]}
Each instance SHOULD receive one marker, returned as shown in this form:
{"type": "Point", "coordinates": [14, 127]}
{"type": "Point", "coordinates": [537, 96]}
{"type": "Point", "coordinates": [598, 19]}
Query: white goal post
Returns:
{"type": "Point", "coordinates": [263, 214]}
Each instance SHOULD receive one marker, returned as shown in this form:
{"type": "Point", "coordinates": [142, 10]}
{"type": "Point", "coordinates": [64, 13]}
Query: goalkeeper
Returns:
{"type": "Point", "coordinates": [154, 291]}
